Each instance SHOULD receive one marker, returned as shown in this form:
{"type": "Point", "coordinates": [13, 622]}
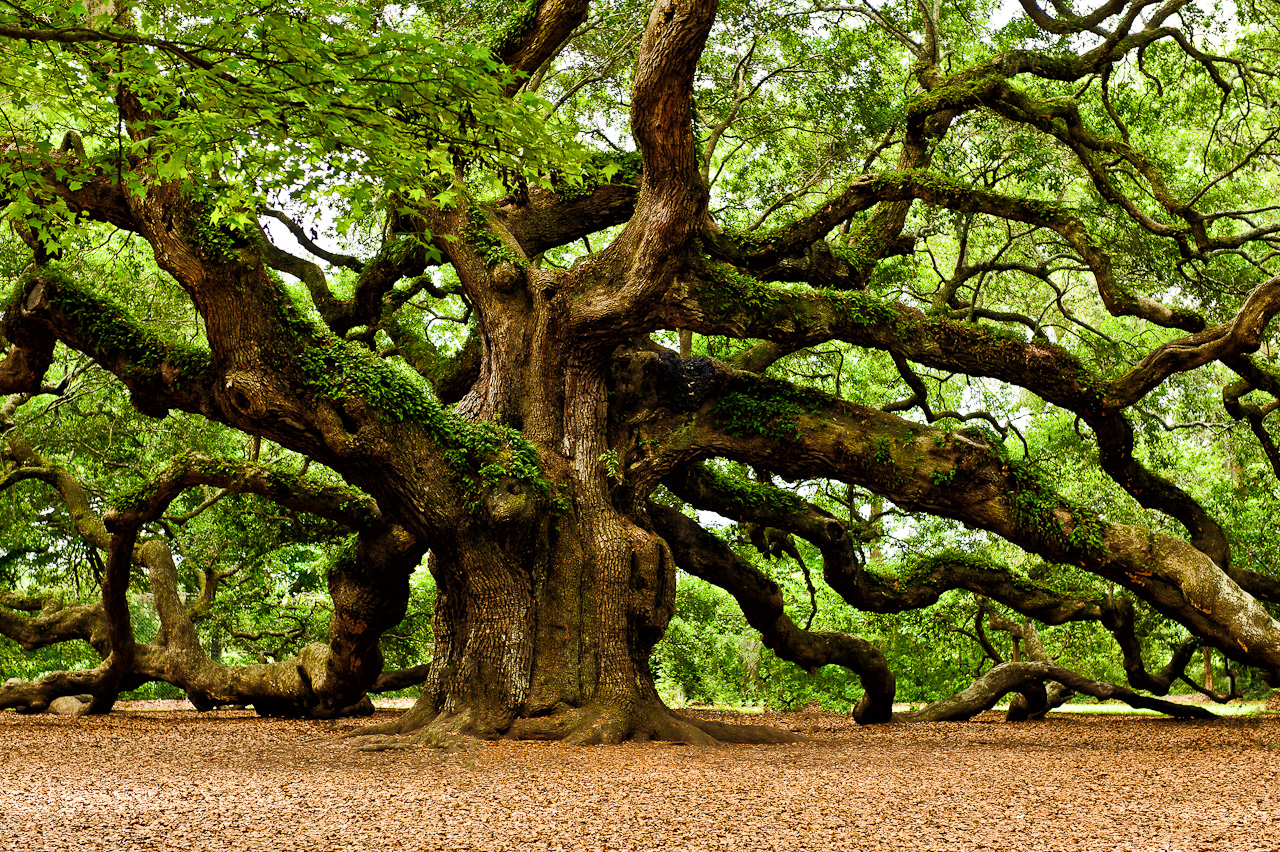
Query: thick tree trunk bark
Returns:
{"type": "Point", "coordinates": [548, 606]}
{"type": "Point", "coordinates": [546, 634]}
{"type": "Point", "coordinates": [548, 637]}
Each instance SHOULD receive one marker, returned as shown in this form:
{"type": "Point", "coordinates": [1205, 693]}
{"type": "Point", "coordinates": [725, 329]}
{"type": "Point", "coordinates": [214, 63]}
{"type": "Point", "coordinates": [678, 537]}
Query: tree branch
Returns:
{"type": "Point", "coordinates": [710, 559]}
{"type": "Point", "coordinates": [960, 475]}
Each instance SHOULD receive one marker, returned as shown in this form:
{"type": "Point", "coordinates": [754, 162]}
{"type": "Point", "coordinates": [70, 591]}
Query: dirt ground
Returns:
{"type": "Point", "coordinates": [230, 781]}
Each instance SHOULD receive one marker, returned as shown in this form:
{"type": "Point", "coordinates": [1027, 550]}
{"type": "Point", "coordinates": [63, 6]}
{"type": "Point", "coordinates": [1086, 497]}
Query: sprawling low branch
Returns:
{"type": "Point", "coordinates": [269, 373]}
{"type": "Point", "coordinates": [368, 583]}
{"type": "Point", "coordinates": [920, 586]}
{"type": "Point", "coordinates": [1023, 676]}
{"type": "Point", "coordinates": [710, 559]}
{"type": "Point", "coordinates": [159, 374]}
{"type": "Point", "coordinates": [56, 622]}
{"type": "Point", "coordinates": [326, 500]}
{"type": "Point", "coordinates": [959, 475]}
{"type": "Point", "coordinates": [98, 194]}
{"type": "Point", "coordinates": [922, 583]}
{"type": "Point", "coordinates": [1045, 369]}
{"type": "Point", "coordinates": [725, 302]}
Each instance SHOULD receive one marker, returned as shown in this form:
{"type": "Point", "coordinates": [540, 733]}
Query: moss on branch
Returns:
{"type": "Point", "coordinates": [159, 372]}
{"type": "Point", "coordinates": [747, 498]}
{"type": "Point", "coordinates": [772, 411]}
{"type": "Point", "coordinates": [476, 454]}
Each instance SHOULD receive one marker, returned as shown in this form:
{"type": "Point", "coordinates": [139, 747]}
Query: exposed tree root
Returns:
{"type": "Point", "coordinates": [449, 736]}
{"type": "Point", "coordinates": [748, 734]}
{"type": "Point", "coordinates": [590, 725]}
{"type": "Point", "coordinates": [419, 717]}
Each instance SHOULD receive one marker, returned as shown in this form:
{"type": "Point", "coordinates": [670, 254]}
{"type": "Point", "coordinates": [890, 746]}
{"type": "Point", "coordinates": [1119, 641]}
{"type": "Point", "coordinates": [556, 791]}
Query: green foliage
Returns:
{"type": "Point", "coordinates": [156, 690]}
{"type": "Point", "coordinates": [409, 643]}
{"type": "Point", "coordinates": [495, 451]}
{"type": "Point", "coordinates": [612, 465]}
{"type": "Point", "coordinates": [31, 665]}
{"type": "Point", "coordinates": [600, 169]}
{"type": "Point", "coordinates": [882, 450]}
{"type": "Point", "coordinates": [710, 655]}
{"type": "Point", "coordinates": [286, 98]}
{"type": "Point", "coordinates": [214, 233]}
{"type": "Point", "coordinates": [942, 477]}
{"type": "Point", "coordinates": [1039, 506]}
{"type": "Point", "coordinates": [774, 414]}
{"type": "Point", "coordinates": [707, 654]}
{"type": "Point", "coordinates": [113, 333]}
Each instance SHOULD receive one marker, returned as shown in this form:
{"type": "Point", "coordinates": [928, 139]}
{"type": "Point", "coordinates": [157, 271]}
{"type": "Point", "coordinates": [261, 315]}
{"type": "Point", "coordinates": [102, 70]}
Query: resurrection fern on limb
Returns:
{"type": "Point", "coordinates": [562, 283]}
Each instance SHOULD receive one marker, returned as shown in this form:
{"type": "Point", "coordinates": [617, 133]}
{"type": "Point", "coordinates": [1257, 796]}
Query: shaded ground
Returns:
{"type": "Point", "coordinates": [231, 781]}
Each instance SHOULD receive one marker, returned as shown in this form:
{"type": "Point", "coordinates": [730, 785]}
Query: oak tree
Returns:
{"type": "Point", "coordinates": [594, 273]}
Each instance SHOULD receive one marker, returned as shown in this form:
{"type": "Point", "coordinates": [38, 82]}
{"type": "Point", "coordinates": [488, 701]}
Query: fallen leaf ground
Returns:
{"type": "Point", "coordinates": [230, 781]}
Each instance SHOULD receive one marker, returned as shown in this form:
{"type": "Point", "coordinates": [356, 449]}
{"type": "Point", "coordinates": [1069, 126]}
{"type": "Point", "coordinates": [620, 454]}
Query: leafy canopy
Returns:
{"type": "Point", "coordinates": [310, 103]}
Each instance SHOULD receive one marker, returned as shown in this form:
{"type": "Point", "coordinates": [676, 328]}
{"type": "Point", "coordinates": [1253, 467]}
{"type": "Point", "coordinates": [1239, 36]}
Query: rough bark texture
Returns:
{"type": "Point", "coordinates": [532, 491]}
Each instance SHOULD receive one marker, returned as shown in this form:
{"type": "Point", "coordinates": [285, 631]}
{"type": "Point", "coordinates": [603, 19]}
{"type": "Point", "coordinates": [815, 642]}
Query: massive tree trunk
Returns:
{"type": "Point", "coordinates": [550, 599]}
{"type": "Point", "coordinates": [527, 468]}
{"type": "Point", "coordinates": [549, 606]}
{"type": "Point", "coordinates": [548, 634]}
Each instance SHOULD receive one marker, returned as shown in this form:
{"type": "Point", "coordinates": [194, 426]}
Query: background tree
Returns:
{"type": "Point", "coordinates": [602, 269]}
